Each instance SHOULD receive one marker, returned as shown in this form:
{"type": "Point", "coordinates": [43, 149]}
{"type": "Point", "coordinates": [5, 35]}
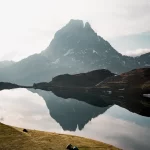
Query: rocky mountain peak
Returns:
{"type": "Point", "coordinates": [75, 23]}
{"type": "Point", "coordinates": [74, 27]}
{"type": "Point", "coordinates": [74, 35]}
{"type": "Point", "coordinates": [77, 44]}
{"type": "Point", "coordinates": [78, 23]}
{"type": "Point", "coordinates": [87, 25]}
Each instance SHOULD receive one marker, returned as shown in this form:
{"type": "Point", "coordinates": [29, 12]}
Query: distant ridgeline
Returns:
{"type": "Point", "coordinates": [75, 48]}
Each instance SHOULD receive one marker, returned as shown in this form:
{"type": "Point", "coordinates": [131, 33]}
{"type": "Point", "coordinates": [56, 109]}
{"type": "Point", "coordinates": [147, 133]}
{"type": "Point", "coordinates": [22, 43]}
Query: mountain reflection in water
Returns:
{"type": "Point", "coordinates": [71, 114]}
{"type": "Point", "coordinates": [133, 103]}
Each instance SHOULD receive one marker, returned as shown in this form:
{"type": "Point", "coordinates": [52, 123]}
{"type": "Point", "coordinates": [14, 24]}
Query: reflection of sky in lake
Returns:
{"type": "Point", "coordinates": [116, 126]}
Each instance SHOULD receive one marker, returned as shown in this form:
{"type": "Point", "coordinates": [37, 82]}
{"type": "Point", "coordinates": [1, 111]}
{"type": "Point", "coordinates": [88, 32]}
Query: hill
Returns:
{"type": "Point", "coordinates": [12, 138]}
{"type": "Point", "coordinates": [135, 82]}
{"type": "Point", "coordinates": [81, 80]}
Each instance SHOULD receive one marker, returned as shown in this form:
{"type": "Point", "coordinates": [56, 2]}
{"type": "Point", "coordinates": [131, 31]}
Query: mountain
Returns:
{"type": "Point", "coordinates": [144, 60]}
{"type": "Point", "coordinates": [4, 64]}
{"type": "Point", "coordinates": [75, 48]}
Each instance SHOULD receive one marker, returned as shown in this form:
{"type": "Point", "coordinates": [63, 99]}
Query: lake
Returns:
{"type": "Point", "coordinates": [42, 110]}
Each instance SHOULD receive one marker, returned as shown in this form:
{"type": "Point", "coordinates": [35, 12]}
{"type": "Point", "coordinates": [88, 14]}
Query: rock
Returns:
{"type": "Point", "coordinates": [25, 130]}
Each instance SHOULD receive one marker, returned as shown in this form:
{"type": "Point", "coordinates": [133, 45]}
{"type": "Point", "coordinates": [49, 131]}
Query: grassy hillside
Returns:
{"type": "Point", "coordinates": [12, 138]}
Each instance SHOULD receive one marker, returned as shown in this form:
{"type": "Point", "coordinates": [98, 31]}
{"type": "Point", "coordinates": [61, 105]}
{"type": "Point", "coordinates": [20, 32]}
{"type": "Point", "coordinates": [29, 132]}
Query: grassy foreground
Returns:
{"type": "Point", "coordinates": [12, 138]}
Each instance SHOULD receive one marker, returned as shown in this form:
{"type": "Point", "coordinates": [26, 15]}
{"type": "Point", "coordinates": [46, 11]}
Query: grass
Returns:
{"type": "Point", "coordinates": [12, 138]}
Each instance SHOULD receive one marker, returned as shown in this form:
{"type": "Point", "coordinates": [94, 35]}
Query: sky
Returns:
{"type": "Point", "coordinates": [28, 26]}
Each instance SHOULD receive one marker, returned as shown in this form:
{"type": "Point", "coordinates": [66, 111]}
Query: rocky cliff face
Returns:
{"type": "Point", "coordinates": [75, 48]}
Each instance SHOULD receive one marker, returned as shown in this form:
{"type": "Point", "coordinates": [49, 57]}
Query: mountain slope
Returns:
{"type": "Point", "coordinates": [4, 64]}
{"type": "Point", "coordinates": [75, 48]}
{"type": "Point", "coordinates": [78, 46]}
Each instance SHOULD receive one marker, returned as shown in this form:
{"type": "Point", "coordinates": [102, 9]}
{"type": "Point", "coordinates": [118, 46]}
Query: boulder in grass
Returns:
{"type": "Point", "coordinates": [25, 130]}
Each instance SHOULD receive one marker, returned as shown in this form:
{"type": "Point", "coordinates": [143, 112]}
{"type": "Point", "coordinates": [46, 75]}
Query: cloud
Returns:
{"type": "Point", "coordinates": [118, 132]}
{"type": "Point", "coordinates": [136, 52]}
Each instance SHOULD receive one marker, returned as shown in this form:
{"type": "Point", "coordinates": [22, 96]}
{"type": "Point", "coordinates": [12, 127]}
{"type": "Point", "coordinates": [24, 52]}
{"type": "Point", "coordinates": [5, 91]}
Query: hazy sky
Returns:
{"type": "Point", "coordinates": [27, 26]}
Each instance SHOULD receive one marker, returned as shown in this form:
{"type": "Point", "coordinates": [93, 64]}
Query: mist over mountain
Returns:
{"type": "Point", "coordinates": [75, 48]}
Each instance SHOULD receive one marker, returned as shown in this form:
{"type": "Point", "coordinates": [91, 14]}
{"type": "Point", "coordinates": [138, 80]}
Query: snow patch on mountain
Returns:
{"type": "Point", "coordinates": [56, 61]}
{"type": "Point", "coordinates": [94, 51]}
{"type": "Point", "coordinates": [70, 51]}
{"type": "Point", "coordinates": [124, 62]}
{"type": "Point", "coordinates": [83, 51]}
{"type": "Point", "coordinates": [99, 39]}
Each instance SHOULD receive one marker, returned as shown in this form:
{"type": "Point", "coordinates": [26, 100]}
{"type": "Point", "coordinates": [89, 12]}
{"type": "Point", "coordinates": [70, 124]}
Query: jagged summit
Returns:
{"type": "Point", "coordinates": [74, 27]}
{"type": "Point", "coordinates": [87, 25]}
{"type": "Point", "coordinates": [74, 35]}
{"type": "Point", "coordinates": [78, 23]}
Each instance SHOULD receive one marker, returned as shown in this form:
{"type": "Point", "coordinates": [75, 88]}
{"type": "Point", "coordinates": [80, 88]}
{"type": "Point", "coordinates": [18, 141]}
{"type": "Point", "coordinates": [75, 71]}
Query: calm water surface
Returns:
{"type": "Point", "coordinates": [43, 110]}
